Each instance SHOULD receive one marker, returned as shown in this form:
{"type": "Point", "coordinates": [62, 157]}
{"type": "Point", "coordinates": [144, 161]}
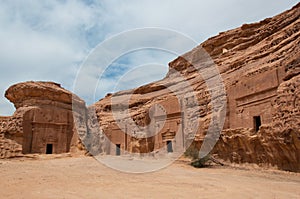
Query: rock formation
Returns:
{"type": "Point", "coordinates": [42, 122]}
{"type": "Point", "coordinates": [247, 79]}
{"type": "Point", "coordinates": [259, 65]}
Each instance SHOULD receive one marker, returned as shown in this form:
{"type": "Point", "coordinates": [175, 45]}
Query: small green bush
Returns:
{"type": "Point", "coordinates": [200, 163]}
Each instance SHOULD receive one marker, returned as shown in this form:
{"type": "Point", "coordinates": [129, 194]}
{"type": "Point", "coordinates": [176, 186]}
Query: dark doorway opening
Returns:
{"type": "Point", "coordinates": [118, 149]}
{"type": "Point", "coordinates": [49, 149]}
{"type": "Point", "coordinates": [169, 146]}
{"type": "Point", "coordinates": [257, 122]}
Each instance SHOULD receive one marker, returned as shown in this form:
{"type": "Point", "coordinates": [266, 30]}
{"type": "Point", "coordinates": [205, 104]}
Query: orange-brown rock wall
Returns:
{"type": "Point", "coordinates": [259, 65]}
{"type": "Point", "coordinates": [8, 148]}
{"type": "Point", "coordinates": [265, 147]}
{"type": "Point", "coordinates": [277, 143]}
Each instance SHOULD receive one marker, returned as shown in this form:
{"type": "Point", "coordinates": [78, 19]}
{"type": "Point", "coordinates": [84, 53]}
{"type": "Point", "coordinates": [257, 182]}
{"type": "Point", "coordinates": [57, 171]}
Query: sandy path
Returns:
{"type": "Point", "coordinates": [83, 177]}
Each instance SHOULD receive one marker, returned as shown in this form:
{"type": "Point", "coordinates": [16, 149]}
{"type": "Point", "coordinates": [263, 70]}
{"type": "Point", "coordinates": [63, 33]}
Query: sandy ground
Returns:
{"type": "Point", "coordinates": [84, 177]}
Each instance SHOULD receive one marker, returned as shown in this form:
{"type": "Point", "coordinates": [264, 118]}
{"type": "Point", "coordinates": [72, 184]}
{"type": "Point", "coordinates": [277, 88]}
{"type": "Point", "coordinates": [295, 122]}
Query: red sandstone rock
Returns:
{"type": "Point", "coordinates": [43, 121]}
{"type": "Point", "coordinates": [259, 64]}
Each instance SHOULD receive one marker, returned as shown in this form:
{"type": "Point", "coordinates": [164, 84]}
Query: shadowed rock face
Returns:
{"type": "Point", "coordinates": [259, 65]}
{"type": "Point", "coordinates": [42, 122]}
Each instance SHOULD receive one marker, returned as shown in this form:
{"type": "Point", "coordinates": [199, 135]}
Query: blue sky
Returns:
{"type": "Point", "coordinates": [49, 40]}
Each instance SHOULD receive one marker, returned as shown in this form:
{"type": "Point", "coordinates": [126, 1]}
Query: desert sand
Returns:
{"type": "Point", "coordinates": [84, 177]}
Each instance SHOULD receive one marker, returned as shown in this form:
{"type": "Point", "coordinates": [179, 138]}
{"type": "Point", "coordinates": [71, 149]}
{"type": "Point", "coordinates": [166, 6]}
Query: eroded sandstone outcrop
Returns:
{"type": "Point", "coordinates": [259, 66]}
{"type": "Point", "coordinates": [42, 122]}
{"type": "Point", "coordinates": [8, 147]}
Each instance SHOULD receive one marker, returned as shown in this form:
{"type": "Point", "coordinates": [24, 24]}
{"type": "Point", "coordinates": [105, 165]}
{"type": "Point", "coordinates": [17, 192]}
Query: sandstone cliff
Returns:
{"type": "Point", "coordinates": [259, 65]}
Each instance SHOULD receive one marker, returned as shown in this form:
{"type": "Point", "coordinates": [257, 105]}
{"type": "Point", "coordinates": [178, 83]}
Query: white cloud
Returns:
{"type": "Point", "coordinates": [42, 40]}
{"type": "Point", "coordinates": [48, 40]}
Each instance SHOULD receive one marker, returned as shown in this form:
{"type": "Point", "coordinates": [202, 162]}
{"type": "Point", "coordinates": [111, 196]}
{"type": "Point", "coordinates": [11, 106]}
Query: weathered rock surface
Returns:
{"type": "Point", "coordinates": [42, 122]}
{"type": "Point", "coordinates": [8, 147]}
{"type": "Point", "coordinates": [259, 65]}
